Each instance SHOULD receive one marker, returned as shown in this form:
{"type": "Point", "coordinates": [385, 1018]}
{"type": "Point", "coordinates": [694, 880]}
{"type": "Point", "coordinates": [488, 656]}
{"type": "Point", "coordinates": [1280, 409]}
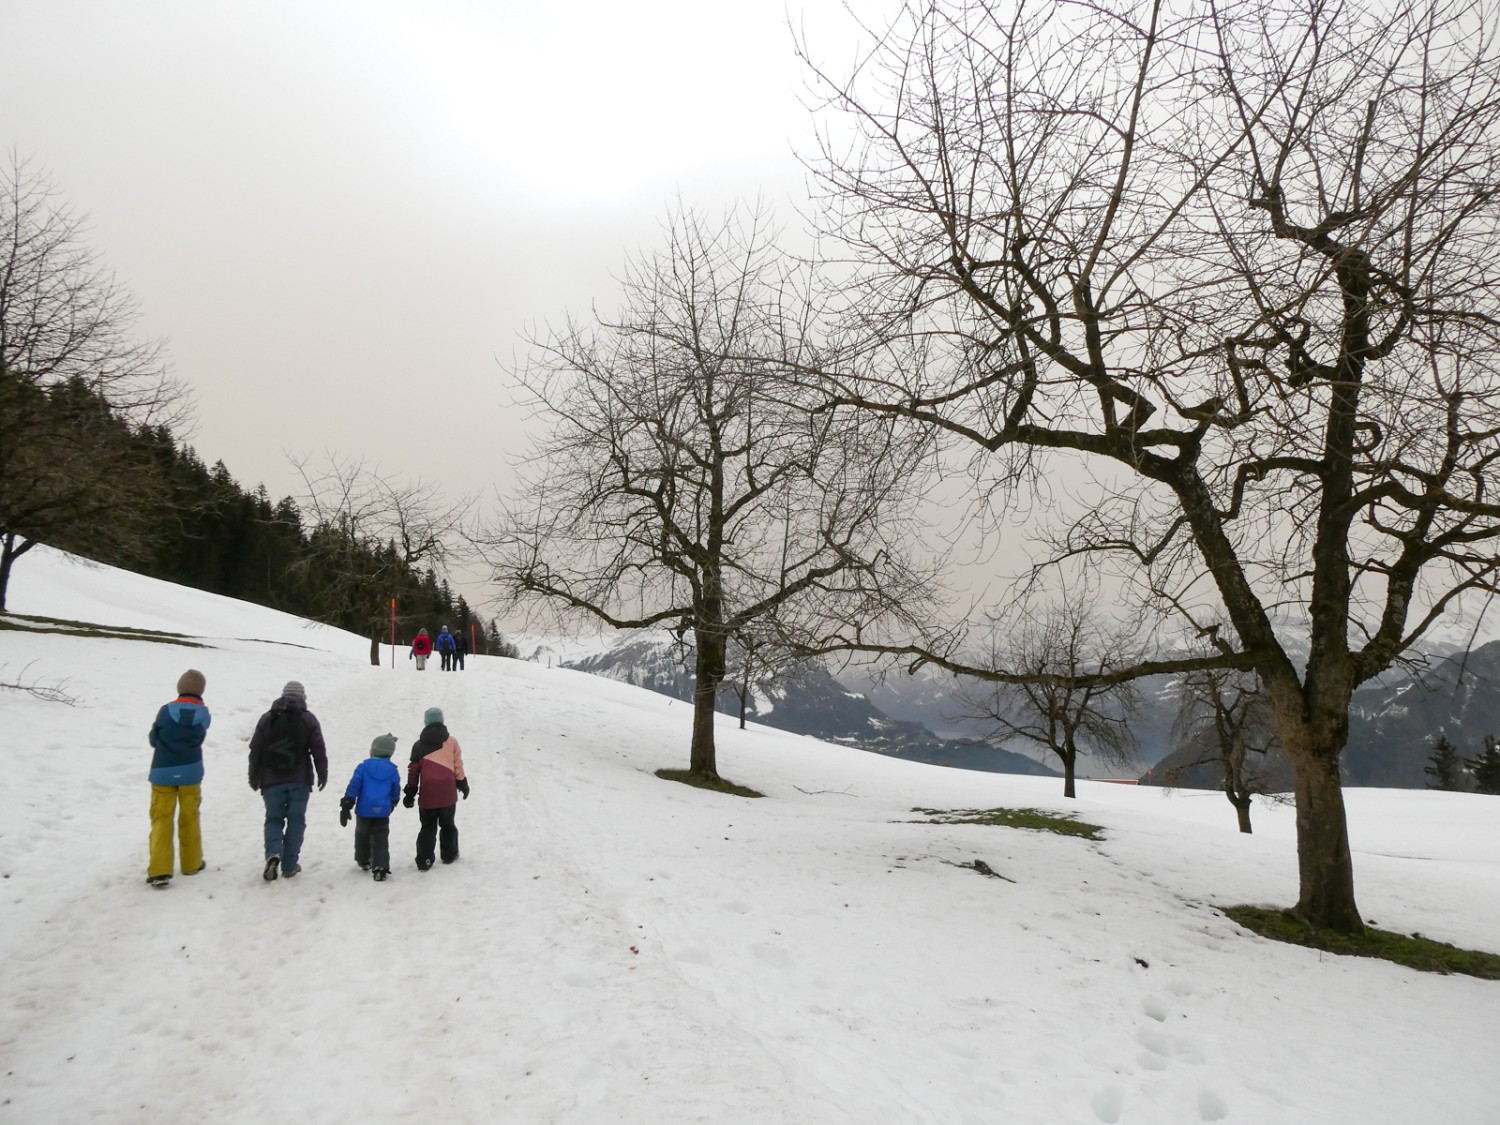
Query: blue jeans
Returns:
{"type": "Point", "coordinates": [286, 820]}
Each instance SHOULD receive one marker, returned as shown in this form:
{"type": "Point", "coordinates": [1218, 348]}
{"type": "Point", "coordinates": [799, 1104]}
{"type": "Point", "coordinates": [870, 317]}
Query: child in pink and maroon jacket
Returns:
{"type": "Point", "coordinates": [434, 779]}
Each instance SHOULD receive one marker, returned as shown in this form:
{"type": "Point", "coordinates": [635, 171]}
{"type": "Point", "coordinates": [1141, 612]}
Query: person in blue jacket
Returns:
{"type": "Point", "coordinates": [372, 795]}
{"type": "Point", "coordinates": [176, 777]}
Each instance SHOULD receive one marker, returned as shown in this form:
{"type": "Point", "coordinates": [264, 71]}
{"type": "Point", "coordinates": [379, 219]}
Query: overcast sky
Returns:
{"type": "Point", "coordinates": [341, 213]}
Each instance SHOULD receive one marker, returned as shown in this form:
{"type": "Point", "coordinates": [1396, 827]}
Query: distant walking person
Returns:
{"type": "Point", "coordinates": [177, 779]}
{"type": "Point", "coordinates": [460, 649]}
{"type": "Point", "coordinates": [285, 749]}
{"type": "Point", "coordinates": [421, 649]}
{"type": "Point", "coordinates": [445, 647]}
{"type": "Point", "coordinates": [436, 773]}
{"type": "Point", "coordinates": [371, 796]}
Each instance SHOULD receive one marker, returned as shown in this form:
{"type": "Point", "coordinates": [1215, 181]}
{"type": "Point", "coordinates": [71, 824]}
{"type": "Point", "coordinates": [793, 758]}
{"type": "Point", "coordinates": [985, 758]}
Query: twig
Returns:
{"type": "Point", "coordinates": [51, 693]}
{"type": "Point", "coordinates": [983, 868]}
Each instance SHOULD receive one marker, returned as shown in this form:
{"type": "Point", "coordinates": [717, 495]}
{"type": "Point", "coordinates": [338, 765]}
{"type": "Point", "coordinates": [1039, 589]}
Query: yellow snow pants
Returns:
{"type": "Point", "coordinates": [184, 800]}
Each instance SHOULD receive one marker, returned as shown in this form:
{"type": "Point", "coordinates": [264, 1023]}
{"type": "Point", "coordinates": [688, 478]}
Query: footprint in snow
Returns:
{"type": "Point", "coordinates": [1108, 1103]}
{"type": "Point", "coordinates": [1211, 1106]}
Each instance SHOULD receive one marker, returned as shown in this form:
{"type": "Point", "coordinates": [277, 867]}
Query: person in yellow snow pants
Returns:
{"type": "Point", "coordinates": [182, 800]}
{"type": "Point", "coordinates": [176, 779]}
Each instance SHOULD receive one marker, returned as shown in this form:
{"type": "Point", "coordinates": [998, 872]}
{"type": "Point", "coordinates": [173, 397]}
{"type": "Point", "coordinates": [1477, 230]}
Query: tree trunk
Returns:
{"type": "Point", "coordinates": [1069, 761]}
{"type": "Point", "coordinates": [9, 553]}
{"type": "Point", "coordinates": [1324, 863]}
{"type": "Point", "coordinates": [1242, 812]}
{"type": "Point", "coordinates": [710, 672]}
{"type": "Point", "coordinates": [6, 558]}
{"type": "Point", "coordinates": [375, 651]}
{"type": "Point", "coordinates": [1237, 789]}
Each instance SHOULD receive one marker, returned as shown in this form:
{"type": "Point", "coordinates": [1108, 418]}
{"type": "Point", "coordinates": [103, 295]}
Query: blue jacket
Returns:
{"type": "Point", "coordinates": [177, 742]}
{"type": "Point", "coordinates": [445, 642]}
{"type": "Point", "coordinates": [375, 786]}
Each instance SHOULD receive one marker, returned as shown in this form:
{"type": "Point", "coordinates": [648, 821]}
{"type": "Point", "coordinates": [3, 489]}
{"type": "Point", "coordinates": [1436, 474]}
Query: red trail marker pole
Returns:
{"type": "Point", "coordinates": [393, 634]}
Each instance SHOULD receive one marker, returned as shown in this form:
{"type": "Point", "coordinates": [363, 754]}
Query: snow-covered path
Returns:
{"type": "Point", "coordinates": [615, 948]}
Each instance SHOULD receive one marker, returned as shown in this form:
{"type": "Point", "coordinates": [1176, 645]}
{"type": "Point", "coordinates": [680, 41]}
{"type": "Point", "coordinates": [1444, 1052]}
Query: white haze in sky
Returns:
{"type": "Point", "coordinates": [342, 214]}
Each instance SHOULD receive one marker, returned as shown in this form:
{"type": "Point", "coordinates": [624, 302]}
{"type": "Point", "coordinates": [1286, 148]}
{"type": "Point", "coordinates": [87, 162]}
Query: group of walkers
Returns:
{"type": "Point", "coordinates": [287, 756]}
{"type": "Point", "coordinates": [451, 649]}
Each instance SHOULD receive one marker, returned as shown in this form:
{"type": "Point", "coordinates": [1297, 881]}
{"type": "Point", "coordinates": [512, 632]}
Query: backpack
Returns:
{"type": "Point", "coordinates": [287, 741]}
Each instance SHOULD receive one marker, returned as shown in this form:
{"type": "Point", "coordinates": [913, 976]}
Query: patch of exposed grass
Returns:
{"type": "Point", "coordinates": [1415, 952]}
{"type": "Point", "coordinates": [27, 623]}
{"type": "Point", "coordinates": [698, 781]}
{"type": "Point", "coordinates": [1038, 820]}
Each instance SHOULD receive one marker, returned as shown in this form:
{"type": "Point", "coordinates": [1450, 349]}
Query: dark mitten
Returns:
{"type": "Point", "coordinates": [344, 807]}
{"type": "Point", "coordinates": [322, 781]}
{"type": "Point", "coordinates": [463, 787]}
{"type": "Point", "coordinates": [409, 800]}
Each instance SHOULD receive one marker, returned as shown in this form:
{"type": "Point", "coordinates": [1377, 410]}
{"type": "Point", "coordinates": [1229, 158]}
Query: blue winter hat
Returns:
{"type": "Point", "coordinates": [432, 715]}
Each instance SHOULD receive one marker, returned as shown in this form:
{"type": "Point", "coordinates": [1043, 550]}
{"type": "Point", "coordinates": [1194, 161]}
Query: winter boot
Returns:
{"type": "Point", "coordinates": [272, 863]}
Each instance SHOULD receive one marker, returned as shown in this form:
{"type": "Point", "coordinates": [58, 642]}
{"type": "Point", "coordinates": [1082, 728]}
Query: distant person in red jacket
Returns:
{"type": "Point", "coordinates": [436, 773]}
{"type": "Point", "coordinates": [421, 649]}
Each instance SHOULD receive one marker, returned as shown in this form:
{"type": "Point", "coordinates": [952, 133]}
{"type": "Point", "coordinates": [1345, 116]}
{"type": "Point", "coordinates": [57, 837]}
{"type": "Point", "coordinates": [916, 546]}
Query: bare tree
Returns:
{"type": "Point", "coordinates": [683, 479]}
{"type": "Point", "coordinates": [356, 513]}
{"type": "Point", "coordinates": [1231, 267]}
{"type": "Point", "coordinates": [1225, 723]}
{"type": "Point", "coordinates": [758, 657]}
{"type": "Point", "coordinates": [1060, 703]}
{"type": "Point", "coordinates": [74, 381]}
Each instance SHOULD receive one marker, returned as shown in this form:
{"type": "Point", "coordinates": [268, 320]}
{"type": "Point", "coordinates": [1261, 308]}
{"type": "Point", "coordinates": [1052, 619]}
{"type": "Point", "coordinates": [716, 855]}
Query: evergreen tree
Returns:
{"type": "Point", "coordinates": [1447, 768]}
{"type": "Point", "coordinates": [1486, 768]}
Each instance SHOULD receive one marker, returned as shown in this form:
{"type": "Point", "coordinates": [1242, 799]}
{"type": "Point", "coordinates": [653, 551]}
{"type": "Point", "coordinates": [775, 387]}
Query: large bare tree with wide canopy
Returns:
{"type": "Point", "coordinates": [681, 477]}
{"type": "Point", "coordinates": [1233, 265]}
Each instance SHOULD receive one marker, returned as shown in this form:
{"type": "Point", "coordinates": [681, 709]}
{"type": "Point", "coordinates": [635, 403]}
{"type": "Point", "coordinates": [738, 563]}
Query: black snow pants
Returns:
{"type": "Point", "coordinates": [437, 826]}
{"type": "Point", "coordinates": [372, 842]}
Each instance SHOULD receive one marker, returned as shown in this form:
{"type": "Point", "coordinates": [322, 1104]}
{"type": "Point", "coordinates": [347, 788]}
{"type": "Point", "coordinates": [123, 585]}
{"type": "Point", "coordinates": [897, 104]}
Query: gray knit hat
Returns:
{"type": "Point", "coordinates": [432, 715]}
{"type": "Point", "coordinates": [191, 682]}
{"type": "Point", "coordinates": [294, 687]}
{"type": "Point", "coordinates": [383, 746]}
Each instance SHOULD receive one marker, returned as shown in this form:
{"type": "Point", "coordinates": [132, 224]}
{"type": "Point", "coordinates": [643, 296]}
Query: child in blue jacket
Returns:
{"type": "Point", "coordinates": [176, 779]}
{"type": "Point", "coordinates": [372, 795]}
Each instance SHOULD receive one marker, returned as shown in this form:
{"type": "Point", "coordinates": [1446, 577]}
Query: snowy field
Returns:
{"type": "Point", "coordinates": [615, 948]}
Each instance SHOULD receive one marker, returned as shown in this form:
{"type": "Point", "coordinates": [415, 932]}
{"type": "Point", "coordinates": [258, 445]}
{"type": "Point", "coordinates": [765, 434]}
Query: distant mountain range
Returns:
{"type": "Point", "coordinates": [808, 701]}
{"type": "Point", "coordinates": [1392, 722]}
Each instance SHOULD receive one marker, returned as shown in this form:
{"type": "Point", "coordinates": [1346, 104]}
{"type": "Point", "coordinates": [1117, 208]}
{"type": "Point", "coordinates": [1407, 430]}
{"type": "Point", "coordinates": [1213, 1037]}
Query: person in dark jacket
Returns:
{"type": "Point", "coordinates": [285, 750]}
{"type": "Point", "coordinates": [371, 796]}
{"type": "Point", "coordinates": [176, 777]}
{"type": "Point", "coordinates": [421, 649]}
{"type": "Point", "coordinates": [436, 773]}
{"type": "Point", "coordinates": [445, 648]}
{"type": "Point", "coordinates": [460, 649]}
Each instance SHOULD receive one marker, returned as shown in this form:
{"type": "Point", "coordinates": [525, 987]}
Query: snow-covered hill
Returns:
{"type": "Point", "coordinates": [616, 948]}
